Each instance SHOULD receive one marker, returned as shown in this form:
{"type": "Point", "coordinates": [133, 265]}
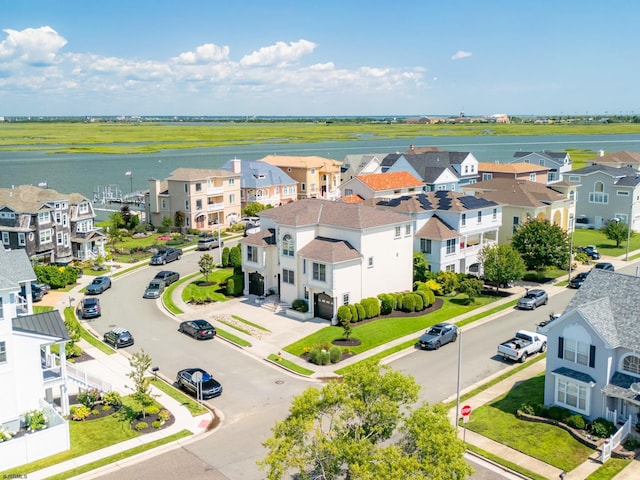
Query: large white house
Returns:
{"type": "Point", "coordinates": [30, 375]}
{"type": "Point", "coordinates": [328, 253]}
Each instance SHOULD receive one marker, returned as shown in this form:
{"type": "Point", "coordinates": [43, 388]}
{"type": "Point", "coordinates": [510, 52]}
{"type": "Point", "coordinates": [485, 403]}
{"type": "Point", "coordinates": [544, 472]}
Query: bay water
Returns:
{"type": "Point", "coordinates": [84, 173]}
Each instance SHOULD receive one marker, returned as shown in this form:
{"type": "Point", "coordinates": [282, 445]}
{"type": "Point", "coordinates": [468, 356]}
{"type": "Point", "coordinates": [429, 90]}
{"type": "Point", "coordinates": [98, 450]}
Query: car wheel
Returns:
{"type": "Point", "coordinates": [454, 338]}
{"type": "Point", "coordinates": [543, 347]}
{"type": "Point", "coordinates": [437, 345]}
{"type": "Point", "coordinates": [115, 346]}
{"type": "Point", "coordinates": [534, 306]}
{"type": "Point", "coordinates": [179, 257]}
{"type": "Point", "coordinates": [164, 262]}
{"type": "Point", "coordinates": [546, 300]}
{"type": "Point", "coordinates": [523, 358]}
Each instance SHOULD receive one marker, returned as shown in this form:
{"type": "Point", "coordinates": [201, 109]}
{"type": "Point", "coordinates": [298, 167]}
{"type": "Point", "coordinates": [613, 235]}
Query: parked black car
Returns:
{"type": "Point", "coordinates": [36, 292]}
{"type": "Point", "coordinates": [165, 256]}
{"type": "Point", "coordinates": [578, 280]}
{"type": "Point", "coordinates": [167, 277]}
{"type": "Point", "coordinates": [207, 386]}
{"type": "Point", "coordinates": [590, 251]}
{"type": "Point", "coordinates": [90, 308]}
{"type": "Point", "coordinates": [42, 286]}
{"type": "Point", "coordinates": [99, 285]}
{"type": "Point", "coordinates": [118, 337]}
{"type": "Point", "coordinates": [198, 329]}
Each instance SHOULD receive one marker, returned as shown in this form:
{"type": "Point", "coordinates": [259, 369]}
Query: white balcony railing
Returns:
{"type": "Point", "coordinates": [215, 207]}
{"type": "Point", "coordinates": [215, 190]}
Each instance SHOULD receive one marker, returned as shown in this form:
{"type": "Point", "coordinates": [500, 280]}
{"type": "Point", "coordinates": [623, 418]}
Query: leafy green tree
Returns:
{"type": "Point", "coordinates": [140, 363]}
{"type": "Point", "coordinates": [235, 256]}
{"type": "Point", "coordinates": [617, 231]}
{"type": "Point", "coordinates": [448, 280]}
{"type": "Point", "coordinates": [501, 264]}
{"type": "Point", "coordinates": [178, 219]}
{"type": "Point", "coordinates": [252, 209]}
{"type": "Point", "coordinates": [206, 265]}
{"type": "Point", "coordinates": [126, 214]}
{"type": "Point", "coordinates": [365, 427]}
{"type": "Point", "coordinates": [542, 244]}
{"type": "Point", "coordinates": [420, 267]}
{"type": "Point", "coordinates": [471, 287]}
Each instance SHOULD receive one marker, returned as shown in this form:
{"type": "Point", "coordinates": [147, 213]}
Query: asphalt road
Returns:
{"type": "Point", "coordinates": [256, 395]}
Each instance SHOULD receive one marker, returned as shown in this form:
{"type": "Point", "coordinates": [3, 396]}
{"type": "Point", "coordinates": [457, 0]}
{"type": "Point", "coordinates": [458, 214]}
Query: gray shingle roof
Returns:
{"type": "Point", "coordinates": [324, 212]}
{"type": "Point", "coordinates": [46, 323]}
{"type": "Point", "coordinates": [329, 250]}
{"type": "Point", "coordinates": [254, 174]}
{"type": "Point", "coordinates": [620, 387]}
{"type": "Point", "coordinates": [15, 268]}
{"type": "Point", "coordinates": [610, 302]}
{"type": "Point", "coordinates": [30, 199]}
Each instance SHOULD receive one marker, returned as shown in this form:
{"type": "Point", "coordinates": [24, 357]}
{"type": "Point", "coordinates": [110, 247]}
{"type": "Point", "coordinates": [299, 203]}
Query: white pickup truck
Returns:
{"type": "Point", "coordinates": [525, 343]}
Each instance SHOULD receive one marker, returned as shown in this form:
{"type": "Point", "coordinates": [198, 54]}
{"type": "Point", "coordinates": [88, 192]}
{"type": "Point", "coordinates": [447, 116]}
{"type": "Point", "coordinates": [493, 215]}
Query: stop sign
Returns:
{"type": "Point", "coordinates": [466, 410]}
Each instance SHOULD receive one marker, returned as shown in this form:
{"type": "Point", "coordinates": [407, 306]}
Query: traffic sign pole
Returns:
{"type": "Point", "coordinates": [466, 411]}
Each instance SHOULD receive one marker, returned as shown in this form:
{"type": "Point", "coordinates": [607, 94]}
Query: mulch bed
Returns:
{"type": "Point", "coordinates": [149, 419]}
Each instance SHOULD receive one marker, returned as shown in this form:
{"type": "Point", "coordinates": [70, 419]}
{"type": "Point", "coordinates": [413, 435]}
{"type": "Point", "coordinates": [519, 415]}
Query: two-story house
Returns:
{"type": "Point", "coordinates": [329, 253]}
{"type": "Point", "coordinates": [519, 171]}
{"type": "Point", "coordinates": [30, 375]}
{"type": "Point", "coordinates": [522, 200]}
{"type": "Point", "coordinates": [607, 193]}
{"type": "Point", "coordinates": [438, 170]}
{"type": "Point", "coordinates": [593, 355]}
{"type": "Point", "coordinates": [263, 183]}
{"type": "Point", "coordinates": [617, 160]}
{"type": "Point", "coordinates": [558, 162]}
{"type": "Point", "coordinates": [206, 198]}
{"type": "Point", "coordinates": [317, 177]}
{"type": "Point", "coordinates": [450, 228]}
{"type": "Point", "coordinates": [358, 164]}
{"type": "Point", "coordinates": [50, 226]}
{"type": "Point", "coordinates": [381, 185]}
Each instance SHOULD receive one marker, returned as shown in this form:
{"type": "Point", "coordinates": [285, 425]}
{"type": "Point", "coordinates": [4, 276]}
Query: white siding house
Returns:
{"type": "Point", "coordinates": [328, 253]}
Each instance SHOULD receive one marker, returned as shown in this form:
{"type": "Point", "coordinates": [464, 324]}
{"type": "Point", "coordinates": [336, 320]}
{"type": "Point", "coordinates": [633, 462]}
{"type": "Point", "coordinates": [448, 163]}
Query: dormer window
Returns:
{"type": "Point", "coordinates": [631, 364]}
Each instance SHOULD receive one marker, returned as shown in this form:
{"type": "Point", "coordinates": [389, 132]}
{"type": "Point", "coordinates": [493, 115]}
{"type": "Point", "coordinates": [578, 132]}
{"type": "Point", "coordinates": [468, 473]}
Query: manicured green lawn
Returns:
{"type": "Point", "coordinates": [583, 237]}
{"type": "Point", "coordinates": [196, 291]}
{"type": "Point", "coordinates": [383, 330]}
{"type": "Point", "coordinates": [547, 443]}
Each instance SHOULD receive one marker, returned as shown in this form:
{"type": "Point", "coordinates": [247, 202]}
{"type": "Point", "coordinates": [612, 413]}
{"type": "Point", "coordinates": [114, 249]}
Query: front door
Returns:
{"type": "Point", "coordinates": [323, 306]}
{"type": "Point", "coordinates": [256, 284]}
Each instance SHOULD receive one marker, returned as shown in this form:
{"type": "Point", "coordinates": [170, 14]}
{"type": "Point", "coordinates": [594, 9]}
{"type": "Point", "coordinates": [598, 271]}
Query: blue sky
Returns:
{"type": "Point", "coordinates": [348, 57]}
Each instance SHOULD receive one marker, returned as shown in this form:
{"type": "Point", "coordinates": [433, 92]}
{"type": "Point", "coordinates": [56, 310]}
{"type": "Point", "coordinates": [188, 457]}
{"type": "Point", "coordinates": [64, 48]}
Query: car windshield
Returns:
{"type": "Point", "coordinates": [435, 331]}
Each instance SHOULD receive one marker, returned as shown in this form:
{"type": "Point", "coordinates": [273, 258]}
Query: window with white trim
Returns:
{"type": "Point", "coordinates": [598, 195]}
{"type": "Point", "coordinates": [319, 272]}
{"type": "Point", "coordinates": [345, 298]}
{"type": "Point", "coordinates": [464, 219]}
{"type": "Point", "coordinates": [59, 238]}
{"type": "Point", "coordinates": [631, 364]}
{"type": "Point", "coordinates": [450, 268]}
{"type": "Point", "coordinates": [495, 214]}
{"type": "Point", "coordinates": [198, 187]}
{"type": "Point", "coordinates": [288, 276]}
{"type": "Point", "coordinates": [44, 217]}
{"type": "Point", "coordinates": [576, 351]}
{"type": "Point", "coordinates": [3, 352]}
{"type": "Point", "coordinates": [407, 230]}
{"type": "Point", "coordinates": [425, 245]}
{"type": "Point", "coordinates": [22, 241]}
{"type": "Point", "coordinates": [1, 309]}
{"type": "Point", "coordinates": [397, 234]}
{"type": "Point", "coordinates": [451, 246]}
{"type": "Point", "coordinates": [252, 254]}
{"type": "Point", "coordinates": [5, 238]}
{"type": "Point", "coordinates": [479, 217]}
{"type": "Point", "coordinates": [45, 236]}
{"type": "Point", "coordinates": [370, 262]}
{"type": "Point", "coordinates": [288, 247]}
{"type": "Point", "coordinates": [487, 176]}
{"type": "Point", "coordinates": [532, 177]}
{"type": "Point", "coordinates": [571, 394]}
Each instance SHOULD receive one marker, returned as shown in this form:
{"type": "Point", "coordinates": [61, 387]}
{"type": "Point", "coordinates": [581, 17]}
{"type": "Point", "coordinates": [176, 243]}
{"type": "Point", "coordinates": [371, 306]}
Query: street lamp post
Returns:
{"type": "Point", "coordinates": [130, 175]}
{"type": "Point", "coordinates": [629, 225]}
{"type": "Point", "coordinates": [459, 368]}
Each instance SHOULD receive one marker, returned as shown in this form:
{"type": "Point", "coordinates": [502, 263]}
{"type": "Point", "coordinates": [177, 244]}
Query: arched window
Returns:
{"type": "Point", "coordinates": [631, 364]}
{"type": "Point", "coordinates": [598, 187]}
{"type": "Point", "coordinates": [287, 246]}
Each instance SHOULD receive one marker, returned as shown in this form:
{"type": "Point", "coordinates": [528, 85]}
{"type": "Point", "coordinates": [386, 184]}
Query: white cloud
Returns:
{"type": "Point", "coordinates": [280, 53]}
{"type": "Point", "coordinates": [206, 53]}
{"type": "Point", "coordinates": [460, 54]}
{"type": "Point", "coordinates": [32, 46]}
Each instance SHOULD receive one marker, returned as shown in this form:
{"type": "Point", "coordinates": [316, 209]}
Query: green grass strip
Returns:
{"type": "Point", "coordinates": [120, 456]}
{"type": "Point", "coordinates": [505, 463]}
{"type": "Point", "coordinates": [294, 367]}
{"type": "Point", "coordinates": [233, 338]}
{"type": "Point", "coordinates": [610, 469]}
{"type": "Point", "coordinates": [254, 325]}
{"type": "Point", "coordinates": [167, 296]}
{"type": "Point", "coordinates": [178, 395]}
{"type": "Point", "coordinates": [70, 317]}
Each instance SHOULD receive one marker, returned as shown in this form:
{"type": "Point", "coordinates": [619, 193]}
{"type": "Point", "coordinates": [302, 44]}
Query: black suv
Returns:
{"type": "Point", "coordinates": [118, 338]}
{"type": "Point", "coordinates": [167, 277]}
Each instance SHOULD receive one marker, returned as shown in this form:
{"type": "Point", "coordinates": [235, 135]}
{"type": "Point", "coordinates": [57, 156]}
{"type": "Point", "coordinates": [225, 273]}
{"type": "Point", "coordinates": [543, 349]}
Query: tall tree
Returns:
{"type": "Point", "coordinates": [365, 427]}
{"type": "Point", "coordinates": [617, 231]}
{"type": "Point", "coordinates": [501, 264]}
{"type": "Point", "coordinates": [542, 244]}
{"type": "Point", "coordinates": [206, 265]}
{"type": "Point", "coordinates": [140, 363]}
{"type": "Point", "coordinates": [178, 219]}
{"type": "Point", "coordinates": [252, 209]}
{"type": "Point", "coordinates": [420, 267]}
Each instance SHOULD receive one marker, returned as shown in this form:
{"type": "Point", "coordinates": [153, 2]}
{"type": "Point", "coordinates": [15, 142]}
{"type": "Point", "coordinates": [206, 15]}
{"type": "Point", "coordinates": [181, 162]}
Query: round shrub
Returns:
{"type": "Point", "coordinates": [541, 411]}
{"type": "Point", "coordinates": [335, 354]}
{"type": "Point", "coordinates": [354, 313]}
{"type": "Point", "coordinates": [141, 425]}
{"type": "Point", "coordinates": [95, 412]}
{"type": "Point", "coordinates": [164, 415]}
{"type": "Point", "coordinates": [559, 414]}
{"type": "Point", "coordinates": [152, 410]}
{"type": "Point", "coordinates": [528, 409]}
{"type": "Point", "coordinates": [387, 303]}
{"type": "Point", "coordinates": [112, 398]}
{"type": "Point", "coordinates": [408, 303]}
{"type": "Point", "coordinates": [371, 307]}
{"type": "Point", "coordinates": [300, 305]}
{"type": "Point", "coordinates": [319, 356]}
{"type": "Point", "coordinates": [344, 314]}
{"type": "Point", "coordinates": [602, 428]}
{"type": "Point", "coordinates": [419, 302]}
{"type": "Point", "coordinates": [576, 421]}
{"type": "Point", "coordinates": [399, 299]}
{"type": "Point", "coordinates": [79, 413]}
{"type": "Point", "coordinates": [156, 424]}
{"type": "Point", "coordinates": [362, 315]}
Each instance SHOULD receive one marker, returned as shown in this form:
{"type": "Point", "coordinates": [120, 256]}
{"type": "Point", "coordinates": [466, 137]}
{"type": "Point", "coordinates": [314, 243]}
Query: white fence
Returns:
{"type": "Point", "coordinates": [615, 440]}
{"type": "Point", "coordinates": [86, 380]}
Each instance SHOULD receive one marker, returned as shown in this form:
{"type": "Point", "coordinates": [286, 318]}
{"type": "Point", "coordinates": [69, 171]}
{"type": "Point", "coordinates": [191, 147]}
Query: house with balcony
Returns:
{"type": "Point", "coordinates": [438, 170]}
{"type": "Point", "coordinates": [520, 171]}
{"type": "Point", "coordinates": [593, 350]}
{"type": "Point", "coordinates": [522, 200]}
{"type": "Point", "coordinates": [317, 177]}
{"type": "Point", "coordinates": [329, 253]}
{"type": "Point", "coordinates": [207, 198]}
{"type": "Point", "coordinates": [450, 228]}
{"type": "Point", "coordinates": [559, 163]}
{"type": "Point", "coordinates": [263, 183]}
{"type": "Point", "coordinates": [607, 193]}
{"type": "Point", "coordinates": [381, 185]}
{"type": "Point", "coordinates": [50, 226]}
{"type": "Point", "coordinates": [31, 376]}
